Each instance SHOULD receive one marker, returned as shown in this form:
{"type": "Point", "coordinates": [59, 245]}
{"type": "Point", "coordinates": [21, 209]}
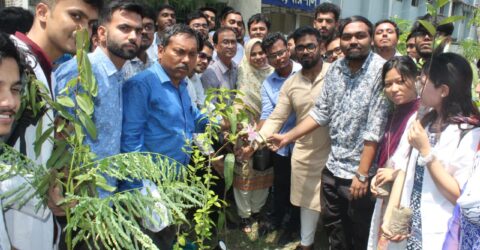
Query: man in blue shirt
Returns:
{"type": "Point", "coordinates": [158, 115]}
{"type": "Point", "coordinates": [119, 33]}
{"type": "Point", "coordinates": [275, 45]}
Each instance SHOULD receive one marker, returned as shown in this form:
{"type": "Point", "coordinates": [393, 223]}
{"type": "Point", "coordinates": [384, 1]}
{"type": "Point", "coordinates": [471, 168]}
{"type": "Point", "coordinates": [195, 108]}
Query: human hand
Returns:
{"type": "Point", "coordinates": [373, 186]}
{"type": "Point", "coordinates": [386, 233]}
{"type": "Point", "coordinates": [277, 141]}
{"type": "Point", "coordinates": [55, 197]}
{"type": "Point", "coordinates": [358, 189]}
{"type": "Point", "coordinates": [383, 176]}
{"type": "Point", "coordinates": [418, 138]}
{"type": "Point", "coordinates": [244, 153]}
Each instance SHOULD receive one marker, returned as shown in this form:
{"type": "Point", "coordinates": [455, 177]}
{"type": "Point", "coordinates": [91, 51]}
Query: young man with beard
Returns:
{"type": "Point", "coordinates": [119, 32]}
{"type": "Point", "coordinates": [385, 39]}
{"type": "Point", "coordinates": [353, 107]}
{"type": "Point", "coordinates": [278, 56]}
{"type": "Point", "coordinates": [143, 60]}
{"type": "Point", "coordinates": [158, 113]}
{"type": "Point", "coordinates": [166, 17]}
{"type": "Point", "coordinates": [223, 72]}
{"type": "Point", "coordinates": [51, 35]}
{"type": "Point", "coordinates": [326, 20]}
{"type": "Point", "coordinates": [310, 153]}
{"type": "Point", "coordinates": [194, 84]}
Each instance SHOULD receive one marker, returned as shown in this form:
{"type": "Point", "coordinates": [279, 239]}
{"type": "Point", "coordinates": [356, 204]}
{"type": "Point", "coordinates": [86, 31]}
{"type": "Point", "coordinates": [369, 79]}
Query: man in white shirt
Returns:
{"type": "Point", "coordinates": [194, 84]}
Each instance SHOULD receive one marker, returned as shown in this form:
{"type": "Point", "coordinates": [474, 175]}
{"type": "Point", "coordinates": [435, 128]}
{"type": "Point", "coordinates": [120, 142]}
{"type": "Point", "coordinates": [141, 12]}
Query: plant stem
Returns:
{"type": "Point", "coordinates": [69, 190]}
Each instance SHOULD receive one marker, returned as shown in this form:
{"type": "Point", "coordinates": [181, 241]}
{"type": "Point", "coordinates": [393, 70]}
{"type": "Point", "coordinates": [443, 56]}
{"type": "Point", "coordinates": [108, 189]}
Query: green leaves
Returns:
{"type": "Point", "coordinates": [229, 165]}
{"type": "Point", "coordinates": [66, 101]}
{"type": "Point", "coordinates": [85, 103]}
{"type": "Point", "coordinates": [451, 19]}
{"type": "Point", "coordinates": [429, 27]}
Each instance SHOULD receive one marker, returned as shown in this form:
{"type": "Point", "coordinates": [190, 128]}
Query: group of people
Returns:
{"type": "Point", "coordinates": [358, 135]}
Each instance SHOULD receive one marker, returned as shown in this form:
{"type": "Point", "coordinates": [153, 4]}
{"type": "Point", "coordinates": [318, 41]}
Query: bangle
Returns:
{"type": "Point", "coordinates": [423, 161]}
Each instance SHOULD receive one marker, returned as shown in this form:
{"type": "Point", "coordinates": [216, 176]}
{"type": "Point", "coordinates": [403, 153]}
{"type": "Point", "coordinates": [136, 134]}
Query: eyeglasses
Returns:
{"type": "Point", "coordinates": [204, 56]}
{"type": "Point", "coordinates": [301, 48]}
{"type": "Point", "coordinates": [329, 53]}
{"type": "Point", "coordinates": [200, 25]}
{"type": "Point", "coordinates": [277, 54]}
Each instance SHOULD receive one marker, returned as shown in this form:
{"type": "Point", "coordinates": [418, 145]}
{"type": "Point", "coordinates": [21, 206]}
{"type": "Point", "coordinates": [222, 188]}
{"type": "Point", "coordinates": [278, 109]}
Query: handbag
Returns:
{"type": "Point", "coordinates": [262, 159]}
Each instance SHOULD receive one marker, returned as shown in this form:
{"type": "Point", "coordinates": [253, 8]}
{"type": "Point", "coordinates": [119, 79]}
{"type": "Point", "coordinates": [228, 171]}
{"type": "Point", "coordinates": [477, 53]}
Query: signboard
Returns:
{"type": "Point", "coordinates": [307, 5]}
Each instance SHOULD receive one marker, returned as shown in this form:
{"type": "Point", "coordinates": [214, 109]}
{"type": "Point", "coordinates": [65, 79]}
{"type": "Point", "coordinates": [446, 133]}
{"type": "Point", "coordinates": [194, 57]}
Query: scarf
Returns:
{"type": "Point", "coordinates": [396, 124]}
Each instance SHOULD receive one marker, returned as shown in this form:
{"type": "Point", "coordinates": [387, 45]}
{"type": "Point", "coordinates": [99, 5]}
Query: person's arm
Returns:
{"type": "Point", "coordinates": [135, 115]}
{"type": "Point", "coordinates": [358, 189]}
{"type": "Point", "coordinates": [304, 127]}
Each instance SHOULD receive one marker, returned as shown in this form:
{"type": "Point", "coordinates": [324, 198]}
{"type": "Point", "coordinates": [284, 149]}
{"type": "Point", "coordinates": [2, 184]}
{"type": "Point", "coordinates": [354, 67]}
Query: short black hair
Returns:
{"type": "Point", "coordinates": [447, 29]}
{"type": "Point", "coordinates": [164, 6]}
{"type": "Point", "coordinates": [13, 19]}
{"type": "Point", "coordinates": [257, 18]}
{"type": "Point", "coordinates": [149, 13]}
{"type": "Point", "coordinates": [290, 36]}
{"type": "Point", "coordinates": [335, 35]}
{"type": "Point", "coordinates": [9, 50]}
{"type": "Point", "coordinates": [272, 38]}
{"type": "Point", "coordinates": [97, 4]}
{"type": "Point", "coordinates": [397, 30]}
{"type": "Point", "coordinates": [195, 15]}
{"type": "Point", "coordinates": [208, 9]}
{"type": "Point", "coordinates": [306, 30]}
{"type": "Point", "coordinates": [230, 11]}
{"type": "Point", "coordinates": [207, 43]}
{"type": "Point", "coordinates": [328, 8]}
{"type": "Point", "coordinates": [181, 28]}
{"type": "Point", "coordinates": [352, 19]}
{"type": "Point", "coordinates": [128, 5]}
{"type": "Point", "coordinates": [220, 31]}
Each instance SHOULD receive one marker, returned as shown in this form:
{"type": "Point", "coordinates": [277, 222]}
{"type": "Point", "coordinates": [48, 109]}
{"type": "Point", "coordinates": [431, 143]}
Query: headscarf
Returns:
{"type": "Point", "coordinates": [250, 79]}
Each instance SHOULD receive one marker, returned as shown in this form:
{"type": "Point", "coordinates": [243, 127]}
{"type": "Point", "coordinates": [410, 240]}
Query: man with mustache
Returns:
{"type": "Point", "coordinates": [119, 32]}
{"type": "Point", "coordinates": [143, 60]}
{"type": "Point", "coordinates": [353, 107]}
{"type": "Point", "coordinates": [234, 20]}
{"type": "Point", "coordinates": [385, 39]}
{"type": "Point", "coordinates": [158, 115]}
{"type": "Point", "coordinates": [198, 22]}
{"type": "Point", "coordinates": [326, 21]}
{"type": "Point", "coordinates": [166, 17]}
{"type": "Point", "coordinates": [223, 72]}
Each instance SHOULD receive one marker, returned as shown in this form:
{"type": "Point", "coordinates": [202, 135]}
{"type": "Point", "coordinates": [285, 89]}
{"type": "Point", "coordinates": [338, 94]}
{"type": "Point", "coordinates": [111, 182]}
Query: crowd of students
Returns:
{"type": "Point", "coordinates": [386, 154]}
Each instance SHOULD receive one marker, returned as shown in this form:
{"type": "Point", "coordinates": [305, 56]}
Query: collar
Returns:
{"type": "Point", "coordinates": [163, 76]}
{"type": "Point", "coordinates": [107, 64]}
{"type": "Point", "coordinates": [295, 68]}
{"type": "Point", "coordinates": [366, 63]}
{"type": "Point", "coordinates": [40, 55]}
{"type": "Point", "coordinates": [223, 68]}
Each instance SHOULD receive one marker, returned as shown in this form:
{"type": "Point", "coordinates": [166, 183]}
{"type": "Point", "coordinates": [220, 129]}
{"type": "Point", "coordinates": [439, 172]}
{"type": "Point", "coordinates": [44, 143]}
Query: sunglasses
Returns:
{"type": "Point", "coordinates": [203, 56]}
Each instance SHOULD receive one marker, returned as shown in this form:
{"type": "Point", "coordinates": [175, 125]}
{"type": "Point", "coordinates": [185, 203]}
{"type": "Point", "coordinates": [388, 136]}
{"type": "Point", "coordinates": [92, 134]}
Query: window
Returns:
{"type": "Point", "coordinates": [415, 2]}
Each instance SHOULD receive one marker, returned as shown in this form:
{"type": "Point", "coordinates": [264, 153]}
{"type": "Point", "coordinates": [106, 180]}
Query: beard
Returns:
{"type": "Point", "coordinates": [118, 50]}
{"type": "Point", "coordinates": [308, 63]}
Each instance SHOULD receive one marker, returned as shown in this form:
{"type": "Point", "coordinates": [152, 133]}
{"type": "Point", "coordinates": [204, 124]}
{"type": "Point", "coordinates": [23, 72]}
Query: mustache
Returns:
{"type": "Point", "coordinates": [183, 66]}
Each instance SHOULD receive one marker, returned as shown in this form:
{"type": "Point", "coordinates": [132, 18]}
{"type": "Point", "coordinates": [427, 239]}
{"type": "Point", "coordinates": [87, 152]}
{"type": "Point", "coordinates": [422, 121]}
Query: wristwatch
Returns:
{"type": "Point", "coordinates": [362, 178]}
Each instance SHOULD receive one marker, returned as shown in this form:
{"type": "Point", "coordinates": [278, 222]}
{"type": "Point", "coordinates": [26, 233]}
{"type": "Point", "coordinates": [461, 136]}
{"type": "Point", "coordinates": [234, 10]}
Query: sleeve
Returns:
{"type": "Point", "coordinates": [200, 92]}
{"type": "Point", "coordinates": [135, 115]}
{"type": "Point", "coordinates": [320, 112]}
{"type": "Point", "coordinates": [281, 112]}
{"type": "Point", "coordinates": [461, 164]}
{"type": "Point", "coordinates": [378, 113]}
{"type": "Point", "coordinates": [15, 183]}
{"type": "Point", "coordinates": [267, 105]}
{"type": "Point", "coordinates": [201, 120]}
